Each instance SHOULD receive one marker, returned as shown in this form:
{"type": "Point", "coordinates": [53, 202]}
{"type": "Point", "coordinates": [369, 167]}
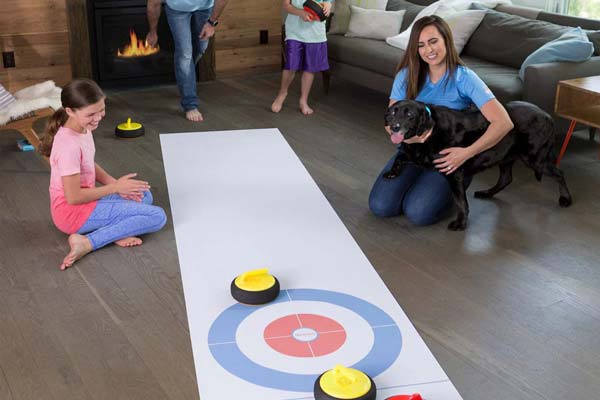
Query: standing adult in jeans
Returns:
{"type": "Point", "coordinates": [432, 72]}
{"type": "Point", "coordinates": [192, 23]}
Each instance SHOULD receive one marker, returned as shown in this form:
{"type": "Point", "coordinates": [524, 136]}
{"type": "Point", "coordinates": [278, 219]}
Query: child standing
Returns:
{"type": "Point", "coordinates": [117, 211]}
{"type": "Point", "coordinates": [305, 50]}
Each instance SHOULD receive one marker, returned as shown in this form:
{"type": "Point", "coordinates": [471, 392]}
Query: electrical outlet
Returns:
{"type": "Point", "coordinates": [8, 59]}
{"type": "Point", "coordinates": [264, 36]}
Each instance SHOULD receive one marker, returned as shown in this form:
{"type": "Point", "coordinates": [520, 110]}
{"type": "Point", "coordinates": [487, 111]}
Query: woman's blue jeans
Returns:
{"type": "Point", "coordinates": [423, 195]}
{"type": "Point", "coordinates": [186, 28]}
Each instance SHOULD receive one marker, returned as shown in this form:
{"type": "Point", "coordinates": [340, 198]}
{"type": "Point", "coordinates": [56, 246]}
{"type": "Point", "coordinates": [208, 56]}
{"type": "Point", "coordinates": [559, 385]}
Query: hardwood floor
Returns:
{"type": "Point", "coordinates": [510, 307]}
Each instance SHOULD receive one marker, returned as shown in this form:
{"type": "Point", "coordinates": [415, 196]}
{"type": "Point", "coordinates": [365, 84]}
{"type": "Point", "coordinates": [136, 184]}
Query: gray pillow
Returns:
{"type": "Point", "coordinates": [595, 39]}
{"type": "Point", "coordinates": [411, 11]}
{"type": "Point", "coordinates": [509, 39]}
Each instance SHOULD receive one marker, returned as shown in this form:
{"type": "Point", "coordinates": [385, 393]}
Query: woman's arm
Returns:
{"type": "Point", "coordinates": [500, 125]}
{"type": "Point", "coordinates": [124, 186]}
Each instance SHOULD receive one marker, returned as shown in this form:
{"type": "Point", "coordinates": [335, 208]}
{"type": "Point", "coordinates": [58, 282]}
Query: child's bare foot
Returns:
{"type": "Point", "coordinates": [129, 242]}
{"type": "Point", "coordinates": [306, 110]}
{"type": "Point", "coordinates": [80, 246]}
{"type": "Point", "coordinates": [278, 103]}
{"type": "Point", "coordinates": [194, 115]}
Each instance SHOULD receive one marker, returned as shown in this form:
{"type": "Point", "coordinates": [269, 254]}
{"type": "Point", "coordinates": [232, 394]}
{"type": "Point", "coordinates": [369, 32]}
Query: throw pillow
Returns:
{"type": "Point", "coordinates": [374, 24]}
{"type": "Point", "coordinates": [411, 11]}
{"type": "Point", "coordinates": [463, 24]}
{"type": "Point", "coordinates": [6, 98]}
{"type": "Point", "coordinates": [573, 46]}
{"type": "Point", "coordinates": [341, 12]}
{"type": "Point", "coordinates": [401, 40]}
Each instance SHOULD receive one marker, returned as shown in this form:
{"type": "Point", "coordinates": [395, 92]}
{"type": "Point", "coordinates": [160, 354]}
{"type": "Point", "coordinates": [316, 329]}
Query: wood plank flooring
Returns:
{"type": "Point", "coordinates": [510, 307]}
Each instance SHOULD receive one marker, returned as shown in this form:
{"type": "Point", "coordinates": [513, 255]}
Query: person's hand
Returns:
{"type": "Point", "coordinates": [419, 139]}
{"type": "Point", "coordinates": [127, 186]}
{"type": "Point", "coordinates": [326, 8]}
{"type": "Point", "coordinates": [453, 158]}
{"type": "Point", "coordinates": [207, 31]}
{"type": "Point", "coordinates": [133, 197]}
{"type": "Point", "coordinates": [152, 38]}
{"type": "Point", "coordinates": [306, 16]}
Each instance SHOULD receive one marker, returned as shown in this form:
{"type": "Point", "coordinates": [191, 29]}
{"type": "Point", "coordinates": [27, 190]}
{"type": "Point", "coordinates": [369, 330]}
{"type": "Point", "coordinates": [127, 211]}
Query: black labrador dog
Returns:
{"type": "Point", "coordinates": [531, 140]}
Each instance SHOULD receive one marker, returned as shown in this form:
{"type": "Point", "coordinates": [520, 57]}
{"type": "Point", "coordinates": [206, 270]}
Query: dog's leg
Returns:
{"type": "Point", "coordinates": [555, 173]}
{"type": "Point", "coordinates": [457, 185]}
{"type": "Point", "coordinates": [504, 180]}
{"type": "Point", "coordinates": [394, 172]}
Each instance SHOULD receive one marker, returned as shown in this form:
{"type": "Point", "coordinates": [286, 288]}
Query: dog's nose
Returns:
{"type": "Point", "coordinates": [396, 127]}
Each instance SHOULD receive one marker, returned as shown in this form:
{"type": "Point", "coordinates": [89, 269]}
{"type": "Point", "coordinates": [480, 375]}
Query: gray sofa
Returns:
{"type": "Point", "coordinates": [495, 51]}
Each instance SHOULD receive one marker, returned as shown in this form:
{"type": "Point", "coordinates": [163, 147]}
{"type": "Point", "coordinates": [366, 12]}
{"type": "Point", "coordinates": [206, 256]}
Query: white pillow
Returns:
{"type": "Point", "coordinates": [437, 8]}
{"type": "Point", "coordinates": [374, 24]}
{"type": "Point", "coordinates": [462, 24]}
{"type": "Point", "coordinates": [341, 12]}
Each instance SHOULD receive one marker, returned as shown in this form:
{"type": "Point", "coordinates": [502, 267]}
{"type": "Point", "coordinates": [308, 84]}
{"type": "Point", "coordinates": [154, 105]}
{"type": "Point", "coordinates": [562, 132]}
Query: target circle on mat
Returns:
{"type": "Point", "coordinates": [303, 336]}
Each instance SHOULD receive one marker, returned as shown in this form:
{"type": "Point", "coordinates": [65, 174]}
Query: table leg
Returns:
{"type": "Point", "coordinates": [566, 142]}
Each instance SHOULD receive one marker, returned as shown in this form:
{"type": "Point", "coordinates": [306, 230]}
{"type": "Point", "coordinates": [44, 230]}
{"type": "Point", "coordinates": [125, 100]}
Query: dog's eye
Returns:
{"type": "Point", "coordinates": [409, 114]}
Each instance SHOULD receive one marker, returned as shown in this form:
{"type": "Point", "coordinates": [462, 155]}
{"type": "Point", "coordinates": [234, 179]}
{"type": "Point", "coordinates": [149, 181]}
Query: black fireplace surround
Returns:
{"type": "Point", "coordinates": [110, 22]}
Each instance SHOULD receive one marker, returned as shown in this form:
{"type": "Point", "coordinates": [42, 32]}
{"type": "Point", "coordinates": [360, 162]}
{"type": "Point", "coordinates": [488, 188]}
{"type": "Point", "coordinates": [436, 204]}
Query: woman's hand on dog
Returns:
{"type": "Point", "coordinates": [453, 158]}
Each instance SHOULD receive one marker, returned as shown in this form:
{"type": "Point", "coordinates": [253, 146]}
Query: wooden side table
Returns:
{"type": "Point", "coordinates": [578, 100]}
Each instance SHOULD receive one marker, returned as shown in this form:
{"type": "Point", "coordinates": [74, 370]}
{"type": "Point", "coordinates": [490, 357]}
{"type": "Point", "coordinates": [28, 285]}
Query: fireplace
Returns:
{"type": "Point", "coordinates": [118, 27]}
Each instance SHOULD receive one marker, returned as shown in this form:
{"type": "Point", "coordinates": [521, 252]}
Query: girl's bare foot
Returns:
{"type": "Point", "coordinates": [278, 103]}
{"type": "Point", "coordinates": [129, 242]}
{"type": "Point", "coordinates": [305, 109]}
{"type": "Point", "coordinates": [194, 115]}
{"type": "Point", "coordinates": [80, 246]}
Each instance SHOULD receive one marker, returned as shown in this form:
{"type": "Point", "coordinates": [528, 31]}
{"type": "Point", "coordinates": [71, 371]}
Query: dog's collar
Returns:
{"type": "Point", "coordinates": [428, 110]}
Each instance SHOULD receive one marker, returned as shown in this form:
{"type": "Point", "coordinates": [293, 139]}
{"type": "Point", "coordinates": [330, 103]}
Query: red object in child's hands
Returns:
{"type": "Point", "coordinates": [315, 10]}
{"type": "Point", "coordinates": [415, 396]}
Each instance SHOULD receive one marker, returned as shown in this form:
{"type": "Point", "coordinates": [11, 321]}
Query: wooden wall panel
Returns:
{"type": "Point", "coordinates": [238, 49]}
{"type": "Point", "coordinates": [36, 30]}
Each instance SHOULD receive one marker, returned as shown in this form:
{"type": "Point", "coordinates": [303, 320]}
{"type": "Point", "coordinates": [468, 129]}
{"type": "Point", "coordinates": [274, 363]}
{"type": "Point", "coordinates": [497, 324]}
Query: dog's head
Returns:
{"type": "Point", "coordinates": [408, 118]}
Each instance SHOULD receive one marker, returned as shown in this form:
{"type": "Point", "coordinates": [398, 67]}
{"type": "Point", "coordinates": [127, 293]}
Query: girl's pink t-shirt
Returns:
{"type": "Point", "coordinates": [72, 153]}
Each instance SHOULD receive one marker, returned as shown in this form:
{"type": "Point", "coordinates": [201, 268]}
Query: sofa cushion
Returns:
{"type": "Point", "coordinates": [372, 55]}
{"type": "Point", "coordinates": [411, 11]}
{"type": "Point", "coordinates": [503, 81]}
{"type": "Point", "coordinates": [519, 38]}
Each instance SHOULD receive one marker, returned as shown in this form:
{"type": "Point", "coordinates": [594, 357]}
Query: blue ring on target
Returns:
{"type": "Point", "coordinates": [225, 350]}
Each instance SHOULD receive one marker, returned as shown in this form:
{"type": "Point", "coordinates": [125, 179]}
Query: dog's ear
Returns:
{"type": "Point", "coordinates": [426, 121]}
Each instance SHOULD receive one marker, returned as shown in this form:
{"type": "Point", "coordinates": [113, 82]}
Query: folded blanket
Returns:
{"type": "Point", "coordinates": [29, 99]}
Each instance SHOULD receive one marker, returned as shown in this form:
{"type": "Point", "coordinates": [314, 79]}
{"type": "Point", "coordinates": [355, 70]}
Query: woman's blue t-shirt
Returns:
{"type": "Point", "coordinates": [465, 88]}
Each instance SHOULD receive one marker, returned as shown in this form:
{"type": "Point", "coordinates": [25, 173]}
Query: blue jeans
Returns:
{"type": "Point", "coordinates": [115, 218]}
{"type": "Point", "coordinates": [186, 28]}
{"type": "Point", "coordinates": [423, 195]}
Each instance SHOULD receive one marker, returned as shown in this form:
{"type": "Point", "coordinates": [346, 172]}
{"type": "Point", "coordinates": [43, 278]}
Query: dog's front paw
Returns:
{"type": "Point", "coordinates": [457, 225]}
{"type": "Point", "coordinates": [390, 175]}
{"type": "Point", "coordinates": [565, 201]}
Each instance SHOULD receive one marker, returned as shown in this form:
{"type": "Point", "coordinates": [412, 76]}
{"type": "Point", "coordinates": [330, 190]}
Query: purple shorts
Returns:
{"type": "Point", "coordinates": [309, 57]}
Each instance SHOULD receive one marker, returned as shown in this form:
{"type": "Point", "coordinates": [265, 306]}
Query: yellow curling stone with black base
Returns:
{"type": "Point", "coordinates": [344, 383]}
{"type": "Point", "coordinates": [129, 130]}
{"type": "Point", "coordinates": [255, 287]}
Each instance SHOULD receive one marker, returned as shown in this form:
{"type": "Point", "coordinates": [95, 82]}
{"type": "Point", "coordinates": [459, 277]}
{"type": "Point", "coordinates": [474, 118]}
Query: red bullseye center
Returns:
{"type": "Point", "coordinates": [305, 335]}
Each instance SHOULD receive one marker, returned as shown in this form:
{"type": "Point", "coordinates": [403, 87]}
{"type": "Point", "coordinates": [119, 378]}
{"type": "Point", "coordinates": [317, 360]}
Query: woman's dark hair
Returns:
{"type": "Point", "coordinates": [417, 68]}
{"type": "Point", "coordinates": [76, 94]}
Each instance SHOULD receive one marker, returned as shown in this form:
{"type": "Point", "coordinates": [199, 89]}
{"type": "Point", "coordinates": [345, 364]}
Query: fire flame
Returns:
{"type": "Point", "coordinates": [136, 47]}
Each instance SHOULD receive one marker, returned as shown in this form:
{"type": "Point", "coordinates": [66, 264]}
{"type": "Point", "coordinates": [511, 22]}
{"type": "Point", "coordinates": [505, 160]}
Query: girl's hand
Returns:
{"type": "Point", "coordinates": [326, 8]}
{"type": "Point", "coordinates": [127, 186]}
{"type": "Point", "coordinates": [133, 197]}
{"type": "Point", "coordinates": [306, 17]}
{"type": "Point", "coordinates": [454, 158]}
